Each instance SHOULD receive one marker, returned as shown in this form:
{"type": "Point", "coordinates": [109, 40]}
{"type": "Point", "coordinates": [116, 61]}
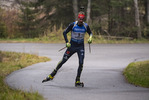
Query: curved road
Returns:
{"type": "Point", "coordinates": [102, 73]}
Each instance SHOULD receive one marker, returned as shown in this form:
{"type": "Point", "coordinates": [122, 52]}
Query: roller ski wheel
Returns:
{"type": "Point", "coordinates": [48, 79]}
{"type": "Point", "coordinates": [79, 84]}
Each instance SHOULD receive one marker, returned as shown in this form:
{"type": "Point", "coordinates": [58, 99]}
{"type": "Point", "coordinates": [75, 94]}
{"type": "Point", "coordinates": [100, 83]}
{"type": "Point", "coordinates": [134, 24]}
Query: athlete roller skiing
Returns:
{"type": "Point", "coordinates": [76, 45]}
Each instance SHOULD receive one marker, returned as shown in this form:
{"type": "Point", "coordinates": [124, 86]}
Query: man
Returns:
{"type": "Point", "coordinates": [76, 45]}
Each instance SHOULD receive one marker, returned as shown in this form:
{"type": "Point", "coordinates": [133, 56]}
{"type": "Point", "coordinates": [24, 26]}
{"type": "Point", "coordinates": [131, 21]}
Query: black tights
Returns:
{"type": "Point", "coordinates": [69, 52]}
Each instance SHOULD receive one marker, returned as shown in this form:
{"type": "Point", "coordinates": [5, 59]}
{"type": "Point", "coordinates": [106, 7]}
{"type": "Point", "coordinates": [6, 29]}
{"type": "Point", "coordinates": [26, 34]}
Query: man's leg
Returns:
{"type": "Point", "coordinates": [66, 56]}
{"type": "Point", "coordinates": [81, 60]}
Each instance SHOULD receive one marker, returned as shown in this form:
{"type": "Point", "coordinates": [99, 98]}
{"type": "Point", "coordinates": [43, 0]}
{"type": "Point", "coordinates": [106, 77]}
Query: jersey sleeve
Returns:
{"type": "Point", "coordinates": [69, 28]}
{"type": "Point", "coordinates": [89, 31]}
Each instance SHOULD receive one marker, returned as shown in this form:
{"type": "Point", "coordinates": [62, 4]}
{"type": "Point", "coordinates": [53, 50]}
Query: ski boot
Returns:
{"type": "Point", "coordinates": [48, 78]}
{"type": "Point", "coordinates": [78, 83]}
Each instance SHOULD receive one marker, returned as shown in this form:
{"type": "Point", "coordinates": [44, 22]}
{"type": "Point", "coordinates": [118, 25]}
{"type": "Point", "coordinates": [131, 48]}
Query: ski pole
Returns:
{"type": "Point", "coordinates": [62, 49]}
{"type": "Point", "coordinates": [89, 48]}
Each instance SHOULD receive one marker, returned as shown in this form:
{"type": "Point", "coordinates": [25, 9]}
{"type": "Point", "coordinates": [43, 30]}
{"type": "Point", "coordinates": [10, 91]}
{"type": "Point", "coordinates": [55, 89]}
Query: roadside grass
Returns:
{"type": "Point", "coordinates": [11, 61]}
{"type": "Point", "coordinates": [137, 73]}
{"type": "Point", "coordinates": [58, 38]}
{"type": "Point", "coordinates": [122, 41]}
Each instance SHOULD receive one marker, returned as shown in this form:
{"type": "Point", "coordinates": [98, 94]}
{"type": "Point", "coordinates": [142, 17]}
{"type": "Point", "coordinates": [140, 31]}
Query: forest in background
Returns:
{"type": "Point", "coordinates": [37, 18]}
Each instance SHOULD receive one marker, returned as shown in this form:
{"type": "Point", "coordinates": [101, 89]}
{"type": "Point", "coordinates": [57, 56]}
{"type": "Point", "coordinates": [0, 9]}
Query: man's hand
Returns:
{"type": "Point", "coordinates": [68, 45]}
{"type": "Point", "coordinates": [90, 40]}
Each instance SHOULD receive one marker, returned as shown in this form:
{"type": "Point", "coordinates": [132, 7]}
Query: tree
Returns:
{"type": "Point", "coordinates": [137, 20]}
{"type": "Point", "coordinates": [56, 13]}
{"type": "Point", "coordinates": [88, 12]}
{"type": "Point", "coordinates": [147, 11]}
{"type": "Point", "coordinates": [2, 27]}
{"type": "Point", "coordinates": [75, 8]}
{"type": "Point", "coordinates": [120, 15]}
{"type": "Point", "coordinates": [28, 23]}
{"type": "Point", "coordinates": [114, 16]}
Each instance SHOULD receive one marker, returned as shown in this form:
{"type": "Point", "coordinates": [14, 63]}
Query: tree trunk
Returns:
{"type": "Point", "coordinates": [75, 8]}
{"type": "Point", "coordinates": [109, 16]}
{"type": "Point", "coordinates": [147, 11]}
{"type": "Point", "coordinates": [137, 20]}
{"type": "Point", "coordinates": [88, 12]}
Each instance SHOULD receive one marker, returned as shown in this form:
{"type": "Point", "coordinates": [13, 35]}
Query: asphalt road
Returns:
{"type": "Point", "coordinates": [102, 73]}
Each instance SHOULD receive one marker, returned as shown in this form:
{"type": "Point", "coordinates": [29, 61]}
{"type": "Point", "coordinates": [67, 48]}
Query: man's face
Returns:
{"type": "Point", "coordinates": [80, 21]}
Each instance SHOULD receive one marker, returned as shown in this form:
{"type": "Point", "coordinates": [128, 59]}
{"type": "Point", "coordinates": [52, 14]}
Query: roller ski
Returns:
{"type": "Point", "coordinates": [48, 78]}
{"type": "Point", "coordinates": [79, 84]}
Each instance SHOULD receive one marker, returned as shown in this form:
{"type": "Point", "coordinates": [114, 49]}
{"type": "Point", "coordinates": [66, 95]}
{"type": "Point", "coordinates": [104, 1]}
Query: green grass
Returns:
{"type": "Point", "coordinates": [11, 61]}
{"type": "Point", "coordinates": [137, 73]}
{"type": "Point", "coordinates": [61, 40]}
{"type": "Point", "coordinates": [58, 38]}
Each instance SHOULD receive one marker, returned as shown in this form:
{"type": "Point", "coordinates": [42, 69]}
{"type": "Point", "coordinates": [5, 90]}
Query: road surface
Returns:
{"type": "Point", "coordinates": [102, 73]}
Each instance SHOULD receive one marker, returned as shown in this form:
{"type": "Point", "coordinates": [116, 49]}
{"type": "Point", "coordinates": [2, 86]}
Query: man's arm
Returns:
{"type": "Point", "coordinates": [89, 31]}
{"type": "Point", "coordinates": [69, 28]}
{"type": "Point", "coordinates": [90, 35]}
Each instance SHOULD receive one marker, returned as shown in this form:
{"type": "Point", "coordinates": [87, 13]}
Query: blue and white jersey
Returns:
{"type": "Point", "coordinates": [77, 32]}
